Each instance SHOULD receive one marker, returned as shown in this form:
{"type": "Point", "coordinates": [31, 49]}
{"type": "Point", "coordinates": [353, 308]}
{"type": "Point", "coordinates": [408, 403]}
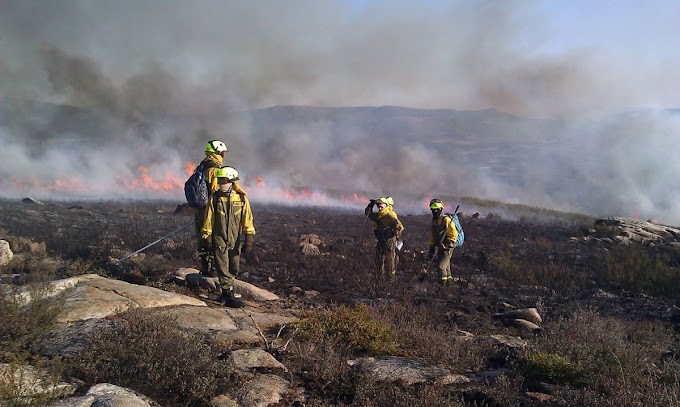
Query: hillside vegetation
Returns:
{"type": "Point", "coordinates": [608, 332]}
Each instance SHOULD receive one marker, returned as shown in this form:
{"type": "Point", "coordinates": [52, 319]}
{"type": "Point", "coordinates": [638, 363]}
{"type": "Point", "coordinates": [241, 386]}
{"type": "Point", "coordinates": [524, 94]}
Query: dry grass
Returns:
{"type": "Point", "coordinates": [618, 349]}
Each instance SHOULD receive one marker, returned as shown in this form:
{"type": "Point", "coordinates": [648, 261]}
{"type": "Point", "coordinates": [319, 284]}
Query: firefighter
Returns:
{"type": "Point", "coordinates": [442, 241]}
{"type": "Point", "coordinates": [215, 151]}
{"type": "Point", "coordinates": [387, 230]}
{"type": "Point", "coordinates": [228, 223]}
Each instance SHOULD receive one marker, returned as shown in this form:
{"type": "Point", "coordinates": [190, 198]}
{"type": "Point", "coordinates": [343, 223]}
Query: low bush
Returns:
{"type": "Point", "coordinates": [26, 312]}
{"type": "Point", "coordinates": [612, 356]}
{"type": "Point", "coordinates": [641, 270]}
{"type": "Point", "coordinates": [357, 326]}
{"type": "Point", "coordinates": [549, 367]}
{"type": "Point", "coordinates": [148, 352]}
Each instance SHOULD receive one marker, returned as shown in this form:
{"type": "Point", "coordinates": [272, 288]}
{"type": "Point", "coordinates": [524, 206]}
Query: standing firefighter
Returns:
{"type": "Point", "coordinates": [228, 218]}
{"type": "Point", "coordinates": [387, 230]}
{"type": "Point", "coordinates": [442, 240]}
{"type": "Point", "coordinates": [215, 151]}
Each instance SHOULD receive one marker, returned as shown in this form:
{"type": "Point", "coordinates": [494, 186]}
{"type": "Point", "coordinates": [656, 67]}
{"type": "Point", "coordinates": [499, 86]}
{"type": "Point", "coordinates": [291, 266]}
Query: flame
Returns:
{"type": "Point", "coordinates": [144, 181]}
{"type": "Point", "coordinates": [72, 184]}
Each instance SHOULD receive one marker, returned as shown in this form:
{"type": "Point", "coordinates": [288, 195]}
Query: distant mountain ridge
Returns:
{"type": "Point", "coordinates": [604, 164]}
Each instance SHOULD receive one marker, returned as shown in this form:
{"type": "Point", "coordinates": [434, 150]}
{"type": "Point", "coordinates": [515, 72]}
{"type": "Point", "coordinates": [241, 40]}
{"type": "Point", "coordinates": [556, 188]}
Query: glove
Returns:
{"type": "Point", "coordinates": [205, 236]}
{"type": "Point", "coordinates": [369, 208]}
{"type": "Point", "coordinates": [250, 242]}
{"type": "Point", "coordinates": [248, 252]}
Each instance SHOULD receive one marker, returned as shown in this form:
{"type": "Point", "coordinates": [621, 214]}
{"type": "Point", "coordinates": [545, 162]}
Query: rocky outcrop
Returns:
{"type": "Point", "coordinates": [29, 382]}
{"type": "Point", "coordinates": [625, 231]}
{"type": "Point", "coordinates": [6, 253]}
{"type": "Point", "coordinates": [406, 371]}
{"type": "Point", "coordinates": [107, 395]}
{"type": "Point", "coordinates": [527, 318]}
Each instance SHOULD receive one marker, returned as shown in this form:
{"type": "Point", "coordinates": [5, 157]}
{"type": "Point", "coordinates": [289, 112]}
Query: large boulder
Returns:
{"type": "Point", "coordinates": [6, 253]}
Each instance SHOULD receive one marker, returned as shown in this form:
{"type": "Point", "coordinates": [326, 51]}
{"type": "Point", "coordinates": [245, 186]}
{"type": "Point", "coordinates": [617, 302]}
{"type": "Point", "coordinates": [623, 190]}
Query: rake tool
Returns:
{"type": "Point", "coordinates": [153, 243]}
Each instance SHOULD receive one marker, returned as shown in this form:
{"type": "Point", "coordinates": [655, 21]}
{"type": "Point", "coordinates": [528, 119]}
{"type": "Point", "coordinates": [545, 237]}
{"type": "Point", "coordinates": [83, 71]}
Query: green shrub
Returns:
{"type": "Point", "coordinates": [549, 367]}
{"type": "Point", "coordinates": [357, 326]}
{"type": "Point", "coordinates": [641, 270]}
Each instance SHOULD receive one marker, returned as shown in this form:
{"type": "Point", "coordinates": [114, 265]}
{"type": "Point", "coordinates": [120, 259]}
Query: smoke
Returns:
{"type": "Point", "coordinates": [103, 94]}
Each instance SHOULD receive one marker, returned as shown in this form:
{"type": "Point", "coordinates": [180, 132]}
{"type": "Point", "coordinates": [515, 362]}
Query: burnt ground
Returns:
{"type": "Point", "coordinates": [502, 264]}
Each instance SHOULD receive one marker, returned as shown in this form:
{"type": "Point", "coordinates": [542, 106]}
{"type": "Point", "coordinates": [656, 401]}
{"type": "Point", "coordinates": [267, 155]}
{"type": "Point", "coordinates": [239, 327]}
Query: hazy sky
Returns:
{"type": "Point", "coordinates": [529, 57]}
{"type": "Point", "coordinates": [549, 58]}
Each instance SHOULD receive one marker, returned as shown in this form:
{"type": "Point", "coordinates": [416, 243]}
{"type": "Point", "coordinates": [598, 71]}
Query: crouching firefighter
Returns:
{"type": "Point", "coordinates": [442, 241]}
{"type": "Point", "coordinates": [228, 220]}
{"type": "Point", "coordinates": [387, 230]}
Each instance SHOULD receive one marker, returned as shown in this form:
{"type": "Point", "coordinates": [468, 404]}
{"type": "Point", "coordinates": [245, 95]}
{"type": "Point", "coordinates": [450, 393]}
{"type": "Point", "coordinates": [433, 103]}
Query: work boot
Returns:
{"type": "Point", "coordinates": [230, 298]}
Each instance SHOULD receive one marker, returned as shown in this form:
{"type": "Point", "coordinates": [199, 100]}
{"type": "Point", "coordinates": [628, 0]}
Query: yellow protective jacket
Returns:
{"type": "Point", "coordinates": [386, 223]}
{"type": "Point", "coordinates": [211, 179]}
{"type": "Point", "coordinates": [443, 228]}
{"type": "Point", "coordinates": [228, 215]}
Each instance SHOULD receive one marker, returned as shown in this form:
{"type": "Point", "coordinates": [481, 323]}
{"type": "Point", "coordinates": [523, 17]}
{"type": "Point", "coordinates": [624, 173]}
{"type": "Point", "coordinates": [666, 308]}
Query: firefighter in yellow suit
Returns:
{"type": "Point", "coordinates": [387, 229]}
{"type": "Point", "coordinates": [442, 240]}
{"type": "Point", "coordinates": [228, 220]}
{"type": "Point", "coordinates": [215, 151]}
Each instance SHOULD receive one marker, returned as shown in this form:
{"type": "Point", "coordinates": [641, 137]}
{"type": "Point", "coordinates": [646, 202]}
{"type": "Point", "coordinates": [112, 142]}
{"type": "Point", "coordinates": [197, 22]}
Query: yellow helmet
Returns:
{"type": "Point", "coordinates": [387, 200]}
{"type": "Point", "coordinates": [229, 173]}
{"type": "Point", "coordinates": [436, 204]}
{"type": "Point", "coordinates": [215, 146]}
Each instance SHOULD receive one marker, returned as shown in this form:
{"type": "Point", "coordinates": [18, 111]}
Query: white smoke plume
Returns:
{"type": "Point", "coordinates": [160, 78]}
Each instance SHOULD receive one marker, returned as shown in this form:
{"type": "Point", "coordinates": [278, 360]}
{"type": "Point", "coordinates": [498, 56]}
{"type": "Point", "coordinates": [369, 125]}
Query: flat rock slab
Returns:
{"type": "Point", "coordinates": [201, 318]}
{"type": "Point", "coordinates": [263, 390]}
{"type": "Point", "coordinates": [91, 296]}
{"type": "Point", "coordinates": [254, 359]}
{"type": "Point", "coordinates": [265, 321]}
{"type": "Point", "coordinates": [107, 395]}
{"type": "Point", "coordinates": [408, 371]}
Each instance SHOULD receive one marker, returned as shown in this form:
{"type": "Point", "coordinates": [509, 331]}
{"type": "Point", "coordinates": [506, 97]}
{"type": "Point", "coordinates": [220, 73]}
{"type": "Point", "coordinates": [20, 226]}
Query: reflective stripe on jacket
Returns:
{"type": "Point", "coordinates": [441, 225]}
{"type": "Point", "coordinates": [227, 216]}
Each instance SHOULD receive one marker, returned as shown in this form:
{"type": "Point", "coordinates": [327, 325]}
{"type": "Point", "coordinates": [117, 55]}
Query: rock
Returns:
{"type": "Point", "coordinates": [540, 397]}
{"type": "Point", "coordinates": [198, 280]}
{"type": "Point", "coordinates": [31, 201]}
{"type": "Point", "coordinates": [528, 314]}
{"type": "Point", "coordinates": [28, 381]}
{"type": "Point", "coordinates": [254, 359]}
{"type": "Point", "coordinates": [309, 249]}
{"type": "Point", "coordinates": [264, 390]}
{"type": "Point", "coordinates": [200, 318]}
{"type": "Point", "coordinates": [524, 324]}
{"type": "Point", "coordinates": [311, 239]}
{"type": "Point", "coordinates": [254, 293]}
{"type": "Point", "coordinates": [407, 371]}
{"type": "Point", "coordinates": [504, 340]}
{"type": "Point", "coordinates": [69, 340]}
{"type": "Point", "coordinates": [107, 395]}
{"type": "Point", "coordinates": [6, 254]}
{"type": "Point", "coordinates": [223, 400]}
{"type": "Point", "coordinates": [91, 296]}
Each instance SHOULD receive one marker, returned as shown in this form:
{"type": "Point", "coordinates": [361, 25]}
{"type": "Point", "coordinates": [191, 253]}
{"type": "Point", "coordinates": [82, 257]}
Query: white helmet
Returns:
{"type": "Point", "coordinates": [229, 173]}
{"type": "Point", "coordinates": [215, 146]}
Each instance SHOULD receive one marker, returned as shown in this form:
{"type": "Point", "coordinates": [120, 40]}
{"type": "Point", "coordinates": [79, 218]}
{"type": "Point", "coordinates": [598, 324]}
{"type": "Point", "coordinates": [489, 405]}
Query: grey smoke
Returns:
{"type": "Point", "coordinates": [160, 77]}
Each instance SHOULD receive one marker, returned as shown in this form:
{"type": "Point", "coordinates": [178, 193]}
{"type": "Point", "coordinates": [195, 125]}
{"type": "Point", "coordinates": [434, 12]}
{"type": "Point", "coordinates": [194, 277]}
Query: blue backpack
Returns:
{"type": "Point", "coordinates": [459, 229]}
{"type": "Point", "coordinates": [196, 187]}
